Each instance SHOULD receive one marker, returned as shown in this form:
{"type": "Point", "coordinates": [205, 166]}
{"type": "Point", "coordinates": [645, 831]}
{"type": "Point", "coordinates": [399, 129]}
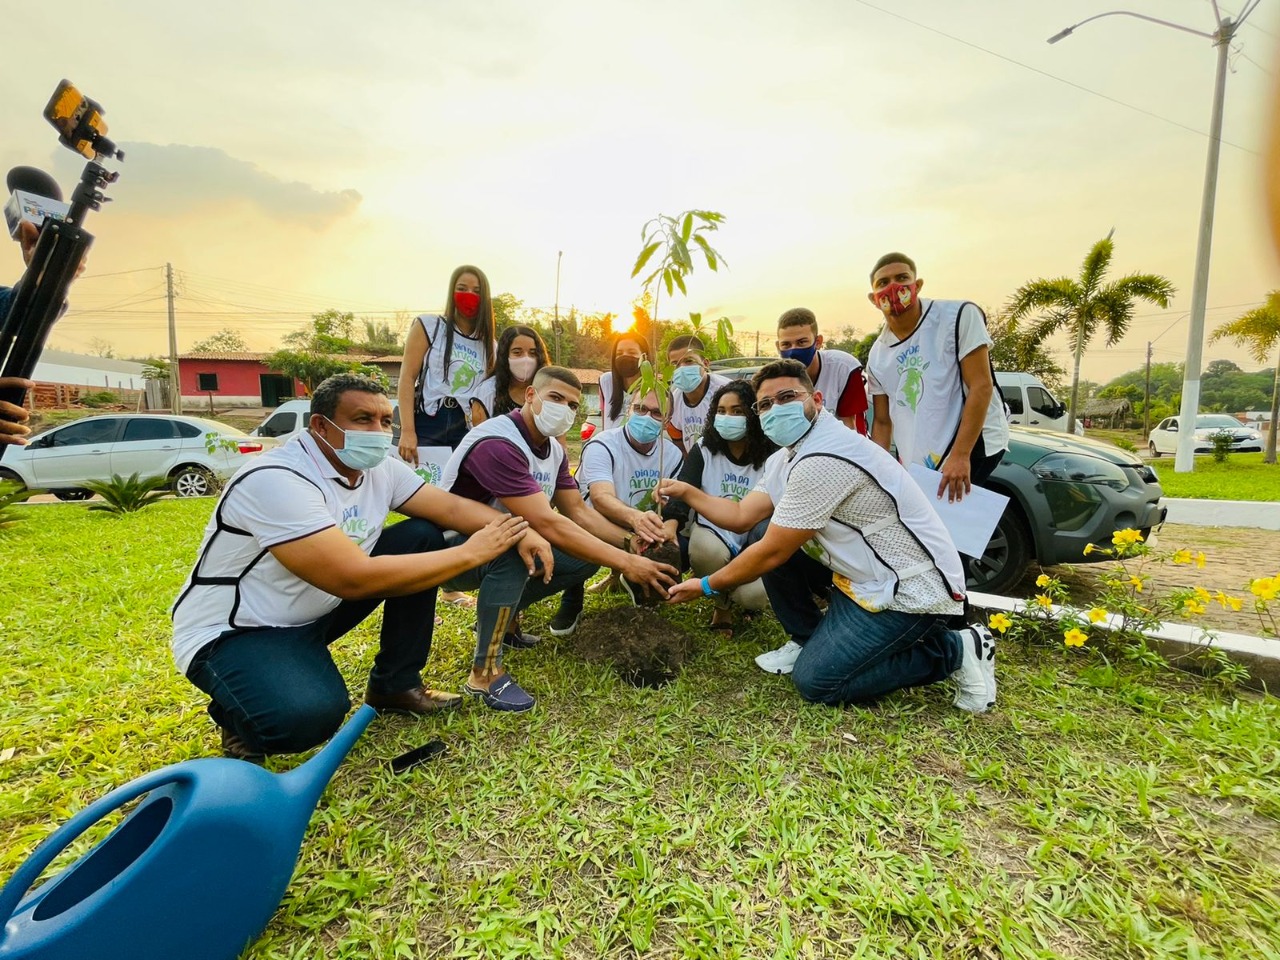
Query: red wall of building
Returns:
{"type": "Point", "coordinates": [236, 378]}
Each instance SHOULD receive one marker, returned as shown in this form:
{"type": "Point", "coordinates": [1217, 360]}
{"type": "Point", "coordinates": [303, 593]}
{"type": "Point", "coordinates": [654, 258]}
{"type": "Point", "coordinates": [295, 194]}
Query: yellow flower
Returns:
{"type": "Point", "coordinates": [1074, 637]}
{"type": "Point", "coordinates": [1199, 561]}
{"type": "Point", "coordinates": [1182, 556]}
{"type": "Point", "coordinates": [1234, 603]}
{"type": "Point", "coordinates": [1043, 580]}
{"type": "Point", "coordinates": [1136, 583]}
{"type": "Point", "coordinates": [1043, 601]}
{"type": "Point", "coordinates": [1097, 615]}
{"type": "Point", "coordinates": [1203, 595]}
{"type": "Point", "coordinates": [1265, 588]}
{"type": "Point", "coordinates": [1089, 548]}
{"type": "Point", "coordinates": [1124, 537]}
{"type": "Point", "coordinates": [999, 622]}
{"type": "Point", "coordinates": [1192, 606]}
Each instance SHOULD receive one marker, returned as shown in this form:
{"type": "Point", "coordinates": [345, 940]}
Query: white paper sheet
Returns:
{"type": "Point", "coordinates": [970, 521]}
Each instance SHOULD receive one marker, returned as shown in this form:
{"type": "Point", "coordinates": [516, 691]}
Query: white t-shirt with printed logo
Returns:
{"type": "Point", "coordinates": [286, 494]}
{"type": "Point", "coordinates": [692, 420]}
{"type": "Point", "coordinates": [609, 457]}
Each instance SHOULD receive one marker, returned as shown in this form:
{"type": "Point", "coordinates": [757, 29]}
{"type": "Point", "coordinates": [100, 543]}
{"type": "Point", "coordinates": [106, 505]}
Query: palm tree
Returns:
{"type": "Point", "coordinates": [1259, 331]}
{"type": "Point", "coordinates": [1083, 306]}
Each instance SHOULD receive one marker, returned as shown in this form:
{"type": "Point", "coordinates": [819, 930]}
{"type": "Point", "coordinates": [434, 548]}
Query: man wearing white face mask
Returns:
{"type": "Point", "coordinates": [295, 556]}
{"type": "Point", "coordinates": [692, 384]}
{"type": "Point", "coordinates": [513, 463]}
{"type": "Point", "coordinates": [845, 521]}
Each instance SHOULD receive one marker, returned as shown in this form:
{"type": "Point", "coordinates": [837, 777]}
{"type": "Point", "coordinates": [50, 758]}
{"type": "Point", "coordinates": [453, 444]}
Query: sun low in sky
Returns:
{"type": "Point", "coordinates": [288, 157]}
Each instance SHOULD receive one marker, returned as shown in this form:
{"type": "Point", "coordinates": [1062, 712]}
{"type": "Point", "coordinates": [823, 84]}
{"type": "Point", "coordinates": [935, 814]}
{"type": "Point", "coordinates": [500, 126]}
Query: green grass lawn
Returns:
{"type": "Point", "coordinates": [1103, 811]}
{"type": "Point", "coordinates": [1243, 477]}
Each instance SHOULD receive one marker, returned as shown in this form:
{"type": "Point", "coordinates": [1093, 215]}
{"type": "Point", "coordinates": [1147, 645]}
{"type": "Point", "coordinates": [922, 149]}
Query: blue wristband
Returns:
{"type": "Point", "coordinates": [707, 589]}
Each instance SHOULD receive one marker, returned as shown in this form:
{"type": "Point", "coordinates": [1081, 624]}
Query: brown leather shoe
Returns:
{"type": "Point", "coordinates": [416, 701]}
{"type": "Point", "coordinates": [237, 749]}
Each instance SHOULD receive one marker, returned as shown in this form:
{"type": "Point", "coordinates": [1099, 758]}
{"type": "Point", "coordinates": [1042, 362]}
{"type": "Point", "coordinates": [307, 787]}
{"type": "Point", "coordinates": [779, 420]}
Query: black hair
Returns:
{"type": "Point", "coordinates": [759, 447]}
{"type": "Point", "coordinates": [502, 402]}
{"type": "Point", "coordinates": [782, 368]}
{"type": "Point", "coordinates": [799, 317]}
{"type": "Point", "coordinates": [893, 257]}
{"type": "Point", "coordinates": [484, 319]}
{"type": "Point", "coordinates": [562, 374]}
{"type": "Point", "coordinates": [618, 391]}
{"type": "Point", "coordinates": [687, 341]}
{"type": "Point", "coordinates": [328, 395]}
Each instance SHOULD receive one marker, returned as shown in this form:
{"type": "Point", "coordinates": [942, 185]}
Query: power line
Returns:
{"type": "Point", "coordinates": [118, 273]}
{"type": "Point", "coordinates": [1051, 76]}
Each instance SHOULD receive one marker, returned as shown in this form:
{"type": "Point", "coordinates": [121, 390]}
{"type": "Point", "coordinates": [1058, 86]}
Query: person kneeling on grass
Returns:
{"type": "Point", "coordinates": [515, 463]}
{"type": "Point", "coordinates": [841, 512]}
{"type": "Point", "coordinates": [295, 556]}
{"type": "Point", "coordinates": [726, 462]}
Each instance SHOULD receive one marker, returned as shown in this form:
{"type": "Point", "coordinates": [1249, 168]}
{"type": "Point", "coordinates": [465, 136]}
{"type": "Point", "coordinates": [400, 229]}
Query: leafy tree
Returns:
{"type": "Point", "coordinates": [1085, 305]}
{"type": "Point", "coordinates": [849, 340]}
{"type": "Point", "coordinates": [225, 340]}
{"type": "Point", "coordinates": [320, 350]}
{"type": "Point", "coordinates": [506, 310]}
{"type": "Point", "coordinates": [1016, 348]}
{"type": "Point", "coordinates": [155, 368]}
{"type": "Point", "coordinates": [1259, 331]}
{"type": "Point", "coordinates": [669, 239]}
{"type": "Point", "coordinates": [381, 337]}
{"type": "Point", "coordinates": [102, 348]}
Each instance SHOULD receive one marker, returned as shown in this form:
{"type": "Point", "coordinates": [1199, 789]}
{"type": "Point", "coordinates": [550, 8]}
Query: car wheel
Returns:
{"type": "Point", "coordinates": [193, 481]}
{"type": "Point", "coordinates": [8, 476]}
{"type": "Point", "coordinates": [72, 494]}
{"type": "Point", "coordinates": [1006, 557]}
{"type": "Point", "coordinates": [1155, 454]}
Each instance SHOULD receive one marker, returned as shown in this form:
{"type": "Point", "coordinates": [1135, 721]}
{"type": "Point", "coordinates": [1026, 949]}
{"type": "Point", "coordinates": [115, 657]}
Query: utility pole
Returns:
{"type": "Point", "coordinates": [757, 343]}
{"type": "Point", "coordinates": [175, 387]}
{"type": "Point", "coordinates": [556, 324]}
{"type": "Point", "coordinates": [1146, 397]}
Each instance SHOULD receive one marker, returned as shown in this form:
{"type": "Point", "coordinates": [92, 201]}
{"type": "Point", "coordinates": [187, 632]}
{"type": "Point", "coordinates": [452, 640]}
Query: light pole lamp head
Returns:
{"type": "Point", "coordinates": [1062, 34]}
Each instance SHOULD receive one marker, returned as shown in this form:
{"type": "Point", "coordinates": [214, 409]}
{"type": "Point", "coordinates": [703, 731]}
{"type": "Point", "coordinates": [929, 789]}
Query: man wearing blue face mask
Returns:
{"type": "Point", "coordinates": [296, 555]}
{"type": "Point", "coordinates": [835, 374]}
{"type": "Point", "coordinates": [845, 521]}
{"type": "Point", "coordinates": [692, 385]}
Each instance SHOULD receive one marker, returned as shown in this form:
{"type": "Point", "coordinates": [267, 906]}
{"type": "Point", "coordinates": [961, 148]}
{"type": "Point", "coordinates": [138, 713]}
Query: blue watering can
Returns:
{"type": "Point", "coordinates": [195, 871]}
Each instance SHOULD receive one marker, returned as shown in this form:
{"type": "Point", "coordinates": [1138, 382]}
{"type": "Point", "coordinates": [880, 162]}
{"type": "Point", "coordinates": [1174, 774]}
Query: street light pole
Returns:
{"type": "Point", "coordinates": [556, 323]}
{"type": "Point", "coordinates": [1221, 38]}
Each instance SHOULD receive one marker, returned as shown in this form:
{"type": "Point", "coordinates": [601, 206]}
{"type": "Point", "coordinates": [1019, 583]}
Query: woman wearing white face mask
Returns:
{"type": "Point", "coordinates": [520, 354]}
{"type": "Point", "coordinates": [726, 461]}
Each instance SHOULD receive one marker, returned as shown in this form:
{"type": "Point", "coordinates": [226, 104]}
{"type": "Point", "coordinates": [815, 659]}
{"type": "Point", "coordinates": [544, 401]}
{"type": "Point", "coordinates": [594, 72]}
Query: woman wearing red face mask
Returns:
{"type": "Point", "coordinates": [446, 356]}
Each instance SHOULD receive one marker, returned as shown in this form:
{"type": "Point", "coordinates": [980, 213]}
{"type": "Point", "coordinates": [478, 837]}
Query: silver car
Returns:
{"type": "Point", "coordinates": [63, 459]}
{"type": "Point", "coordinates": [1244, 439]}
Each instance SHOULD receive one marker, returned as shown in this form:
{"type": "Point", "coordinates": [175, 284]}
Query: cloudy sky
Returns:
{"type": "Point", "coordinates": [289, 156]}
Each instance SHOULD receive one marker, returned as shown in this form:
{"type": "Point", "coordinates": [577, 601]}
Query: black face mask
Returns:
{"type": "Point", "coordinates": [626, 366]}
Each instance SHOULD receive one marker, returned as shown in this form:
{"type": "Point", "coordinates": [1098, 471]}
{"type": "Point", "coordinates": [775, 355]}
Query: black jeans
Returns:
{"type": "Point", "coordinates": [278, 689]}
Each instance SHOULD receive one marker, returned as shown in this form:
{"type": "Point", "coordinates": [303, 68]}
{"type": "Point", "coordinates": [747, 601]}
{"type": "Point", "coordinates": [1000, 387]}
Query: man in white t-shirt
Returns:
{"type": "Point", "coordinates": [836, 375]}
{"type": "Point", "coordinates": [295, 556]}
{"type": "Point", "coordinates": [845, 521]}
{"type": "Point", "coordinates": [932, 383]}
{"type": "Point", "coordinates": [692, 386]}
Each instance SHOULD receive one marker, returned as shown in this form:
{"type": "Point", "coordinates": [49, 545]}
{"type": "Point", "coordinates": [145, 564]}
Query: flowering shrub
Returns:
{"type": "Point", "coordinates": [1133, 607]}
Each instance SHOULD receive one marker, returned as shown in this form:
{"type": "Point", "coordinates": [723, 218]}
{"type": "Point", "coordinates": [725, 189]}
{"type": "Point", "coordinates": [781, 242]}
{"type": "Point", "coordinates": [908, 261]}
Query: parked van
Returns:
{"type": "Point", "coordinates": [1030, 403]}
{"type": "Point", "coordinates": [290, 419]}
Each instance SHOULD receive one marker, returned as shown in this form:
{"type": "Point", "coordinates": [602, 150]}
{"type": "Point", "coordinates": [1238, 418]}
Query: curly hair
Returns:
{"type": "Point", "coordinates": [502, 402]}
{"type": "Point", "coordinates": [759, 447]}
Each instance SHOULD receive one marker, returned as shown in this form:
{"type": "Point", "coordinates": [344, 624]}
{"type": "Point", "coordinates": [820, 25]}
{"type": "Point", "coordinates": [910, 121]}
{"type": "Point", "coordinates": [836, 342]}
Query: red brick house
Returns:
{"type": "Point", "coordinates": [242, 379]}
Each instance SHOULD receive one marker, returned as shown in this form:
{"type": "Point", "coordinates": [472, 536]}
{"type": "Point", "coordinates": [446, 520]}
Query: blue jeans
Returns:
{"type": "Point", "coordinates": [505, 589]}
{"type": "Point", "coordinates": [851, 655]}
{"type": "Point", "coordinates": [445, 428]}
{"type": "Point", "coordinates": [278, 689]}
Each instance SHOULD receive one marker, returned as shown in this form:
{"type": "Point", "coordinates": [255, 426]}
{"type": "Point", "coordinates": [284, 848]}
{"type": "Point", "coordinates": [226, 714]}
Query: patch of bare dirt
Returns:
{"type": "Point", "coordinates": [646, 649]}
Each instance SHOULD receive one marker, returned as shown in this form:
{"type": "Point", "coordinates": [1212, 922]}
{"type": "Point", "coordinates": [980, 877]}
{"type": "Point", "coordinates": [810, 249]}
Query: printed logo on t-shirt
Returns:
{"type": "Point", "coordinates": [464, 365]}
{"type": "Point", "coordinates": [545, 481]}
{"type": "Point", "coordinates": [430, 472]}
{"type": "Point", "coordinates": [640, 491]}
{"type": "Point", "coordinates": [817, 551]}
{"type": "Point", "coordinates": [911, 368]}
{"type": "Point", "coordinates": [353, 525]}
{"type": "Point", "coordinates": [735, 486]}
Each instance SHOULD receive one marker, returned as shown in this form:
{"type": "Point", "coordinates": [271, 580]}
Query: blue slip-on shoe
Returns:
{"type": "Point", "coordinates": [503, 694]}
{"type": "Point", "coordinates": [519, 640]}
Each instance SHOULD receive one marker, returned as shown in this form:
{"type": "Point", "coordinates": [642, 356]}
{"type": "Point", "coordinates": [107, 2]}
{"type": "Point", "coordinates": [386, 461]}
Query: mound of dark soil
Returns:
{"type": "Point", "coordinates": [663, 553]}
{"type": "Point", "coordinates": [644, 648]}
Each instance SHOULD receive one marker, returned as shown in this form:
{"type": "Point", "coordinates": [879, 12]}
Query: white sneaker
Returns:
{"type": "Point", "coordinates": [780, 661]}
{"type": "Point", "coordinates": [976, 678]}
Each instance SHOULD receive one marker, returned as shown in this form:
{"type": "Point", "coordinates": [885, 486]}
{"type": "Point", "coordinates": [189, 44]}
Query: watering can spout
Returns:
{"type": "Point", "coordinates": [308, 781]}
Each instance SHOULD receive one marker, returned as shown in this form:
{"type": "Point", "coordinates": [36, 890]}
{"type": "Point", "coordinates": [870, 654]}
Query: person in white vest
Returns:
{"type": "Point", "coordinates": [836, 375]}
{"type": "Point", "coordinates": [845, 521]}
{"type": "Point", "coordinates": [692, 384]}
{"type": "Point", "coordinates": [514, 463]}
{"type": "Point", "coordinates": [520, 354]}
{"type": "Point", "coordinates": [296, 555]}
{"type": "Point", "coordinates": [932, 382]}
{"type": "Point", "coordinates": [619, 382]}
{"type": "Point", "coordinates": [619, 470]}
{"type": "Point", "coordinates": [726, 462]}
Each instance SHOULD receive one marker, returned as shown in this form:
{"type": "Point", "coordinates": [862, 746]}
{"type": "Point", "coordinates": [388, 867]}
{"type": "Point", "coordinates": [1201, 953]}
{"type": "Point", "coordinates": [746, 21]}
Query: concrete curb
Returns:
{"type": "Point", "coordinates": [1260, 514]}
{"type": "Point", "coordinates": [1176, 640]}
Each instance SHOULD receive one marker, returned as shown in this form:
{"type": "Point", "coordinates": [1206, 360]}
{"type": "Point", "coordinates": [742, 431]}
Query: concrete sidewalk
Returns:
{"type": "Point", "coordinates": [1259, 514]}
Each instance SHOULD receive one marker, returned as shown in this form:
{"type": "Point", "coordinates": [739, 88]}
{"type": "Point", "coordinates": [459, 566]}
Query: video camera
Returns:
{"type": "Point", "coordinates": [40, 295]}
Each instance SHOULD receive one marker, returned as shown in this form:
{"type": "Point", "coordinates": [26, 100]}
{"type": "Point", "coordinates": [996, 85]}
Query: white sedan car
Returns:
{"type": "Point", "coordinates": [61, 460]}
{"type": "Point", "coordinates": [1164, 438]}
